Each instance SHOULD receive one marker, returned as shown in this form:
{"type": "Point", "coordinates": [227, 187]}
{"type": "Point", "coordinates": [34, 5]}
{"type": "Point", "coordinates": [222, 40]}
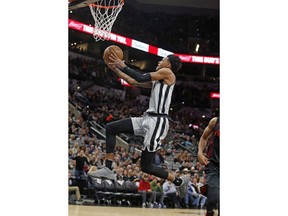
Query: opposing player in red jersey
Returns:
{"type": "Point", "coordinates": [212, 162]}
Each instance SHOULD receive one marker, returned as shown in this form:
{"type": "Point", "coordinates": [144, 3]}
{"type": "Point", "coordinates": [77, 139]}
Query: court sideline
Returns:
{"type": "Point", "coordinates": [80, 210]}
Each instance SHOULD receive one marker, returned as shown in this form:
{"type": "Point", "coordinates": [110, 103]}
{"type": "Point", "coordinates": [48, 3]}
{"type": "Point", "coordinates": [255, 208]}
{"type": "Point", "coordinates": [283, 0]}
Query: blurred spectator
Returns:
{"type": "Point", "coordinates": [145, 189]}
{"type": "Point", "coordinates": [158, 159]}
{"type": "Point", "coordinates": [80, 162]}
{"type": "Point", "coordinates": [170, 191]}
{"type": "Point", "coordinates": [157, 187]}
{"type": "Point", "coordinates": [194, 196]}
{"type": "Point", "coordinates": [74, 189]}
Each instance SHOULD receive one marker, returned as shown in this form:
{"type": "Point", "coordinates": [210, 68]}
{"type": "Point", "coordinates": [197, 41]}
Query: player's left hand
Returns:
{"type": "Point", "coordinates": [116, 61]}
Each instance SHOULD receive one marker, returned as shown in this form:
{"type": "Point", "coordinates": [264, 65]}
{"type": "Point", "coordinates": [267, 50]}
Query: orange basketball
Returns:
{"type": "Point", "coordinates": [108, 50]}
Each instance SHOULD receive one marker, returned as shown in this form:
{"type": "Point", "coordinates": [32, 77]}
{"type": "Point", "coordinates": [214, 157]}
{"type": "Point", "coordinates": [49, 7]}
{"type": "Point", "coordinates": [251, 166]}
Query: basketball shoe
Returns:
{"type": "Point", "coordinates": [210, 213]}
{"type": "Point", "coordinates": [183, 188]}
{"type": "Point", "coordinates": [104, 172]}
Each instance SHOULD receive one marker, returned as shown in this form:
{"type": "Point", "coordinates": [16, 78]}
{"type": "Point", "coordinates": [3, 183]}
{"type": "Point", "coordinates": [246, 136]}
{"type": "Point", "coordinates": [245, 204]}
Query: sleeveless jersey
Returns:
{"type": "Point", "coordinates": [214, 144]}
{"type": "Point", "coordinates": [160, 97]}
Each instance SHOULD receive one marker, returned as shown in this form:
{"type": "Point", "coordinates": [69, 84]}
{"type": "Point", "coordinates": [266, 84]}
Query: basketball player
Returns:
{"type": "Point", "coordinates": [153, 125]}
{"type": "Point", "coordinates": [212, 175]}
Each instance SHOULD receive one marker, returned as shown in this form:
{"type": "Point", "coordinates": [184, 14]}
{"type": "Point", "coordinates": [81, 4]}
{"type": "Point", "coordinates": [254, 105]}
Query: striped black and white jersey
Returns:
{"type": "Point", "coordinates": [160, 97]}
{"type": "Point", "coordinates": [153, 128]}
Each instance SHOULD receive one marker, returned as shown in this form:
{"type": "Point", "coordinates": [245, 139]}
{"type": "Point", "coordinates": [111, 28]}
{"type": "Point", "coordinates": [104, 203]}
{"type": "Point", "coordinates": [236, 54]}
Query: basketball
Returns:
{"type": "Point", "coordinates": [107, 53]}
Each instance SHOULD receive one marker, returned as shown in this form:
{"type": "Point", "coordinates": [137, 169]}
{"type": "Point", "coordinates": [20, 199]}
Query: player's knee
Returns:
{"type": "Point", "coordinates": [110, 129]}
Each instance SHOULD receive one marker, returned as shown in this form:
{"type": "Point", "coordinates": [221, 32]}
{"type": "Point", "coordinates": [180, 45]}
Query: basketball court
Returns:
{"type": "Point", "coordinates": [78, 210]}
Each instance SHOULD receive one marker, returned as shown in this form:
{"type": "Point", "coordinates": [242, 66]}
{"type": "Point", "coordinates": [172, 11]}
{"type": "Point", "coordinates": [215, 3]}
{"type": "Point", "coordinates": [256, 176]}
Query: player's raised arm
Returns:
{"type": "Point", "coordinates": [131, 76]}
{"type": "Point", "coordinates": [138, 76]}
{"type": "Point", "coordinates": [164, 69]}
{"type": "Point", "coordinates": [128, 79]}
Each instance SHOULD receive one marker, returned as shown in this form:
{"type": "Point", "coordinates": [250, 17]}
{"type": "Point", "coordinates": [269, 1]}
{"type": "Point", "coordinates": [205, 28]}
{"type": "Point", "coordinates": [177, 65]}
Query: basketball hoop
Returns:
{"type": "Point", "coordinates": [104, 13]}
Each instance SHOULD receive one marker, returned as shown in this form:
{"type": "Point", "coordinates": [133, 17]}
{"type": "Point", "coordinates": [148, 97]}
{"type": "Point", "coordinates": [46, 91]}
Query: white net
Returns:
{"type": "Point", "coordinates": [105, 13]}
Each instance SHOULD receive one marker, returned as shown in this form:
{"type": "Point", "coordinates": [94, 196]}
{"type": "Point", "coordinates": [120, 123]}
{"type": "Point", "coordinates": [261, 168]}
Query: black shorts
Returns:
{"type": "Point", "coordinates": [212, 177]}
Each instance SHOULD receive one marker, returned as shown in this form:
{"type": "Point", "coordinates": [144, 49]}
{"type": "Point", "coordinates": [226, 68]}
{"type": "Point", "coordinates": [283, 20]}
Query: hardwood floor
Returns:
{"type": "Point", "coordinates": [83, 210]}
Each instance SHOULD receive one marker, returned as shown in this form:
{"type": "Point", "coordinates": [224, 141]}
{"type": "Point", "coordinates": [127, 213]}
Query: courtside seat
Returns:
{"type": "Point", "coordinates": [99, 189]}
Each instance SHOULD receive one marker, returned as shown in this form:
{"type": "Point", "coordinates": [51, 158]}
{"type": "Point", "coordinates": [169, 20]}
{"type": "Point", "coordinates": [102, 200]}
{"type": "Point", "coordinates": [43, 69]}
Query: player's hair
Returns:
{"type": "Point", "coordinates": [175, 62]}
